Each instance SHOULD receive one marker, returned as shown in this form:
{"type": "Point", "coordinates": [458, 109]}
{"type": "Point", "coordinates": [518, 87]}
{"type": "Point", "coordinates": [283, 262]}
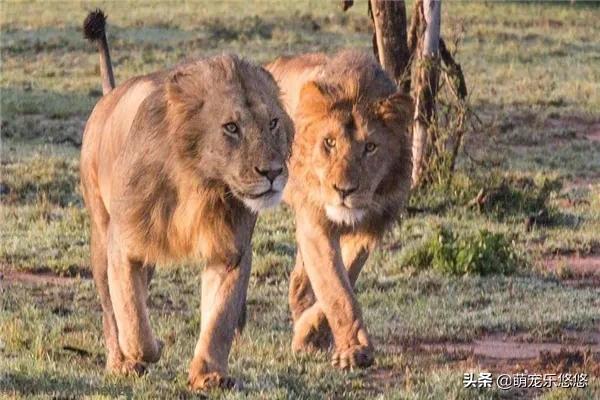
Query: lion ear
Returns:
{"type": "Point", "coordinates": [315, 94]}
{"type": "Point", "coordinates": [183, 91]}
{"type": "Point", "coordinates": [397, 109]}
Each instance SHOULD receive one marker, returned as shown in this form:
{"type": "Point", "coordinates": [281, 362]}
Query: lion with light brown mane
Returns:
{"type": "Point", "coordinates": [174, 166]}
{"type": "Point", "coordinates": [350, 173]}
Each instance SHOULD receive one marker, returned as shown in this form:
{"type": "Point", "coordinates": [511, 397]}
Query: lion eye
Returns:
{"type": "Point", "coordinates": [370, 147]}
{"type": "Point", "coordinates": [329, 143]}
{"type": "Point", "coordinates": [232, 129]}
{"type": "Point", "coordinates": [273, 123]}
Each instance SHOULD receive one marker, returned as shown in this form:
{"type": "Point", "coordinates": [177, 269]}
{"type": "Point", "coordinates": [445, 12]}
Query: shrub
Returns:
{"type": "Point", "coordinates": [480, 253]}
{"type": "Point", "coordinates": [518, 196]}
{"type": "Point", "coordinates": [503, 197]}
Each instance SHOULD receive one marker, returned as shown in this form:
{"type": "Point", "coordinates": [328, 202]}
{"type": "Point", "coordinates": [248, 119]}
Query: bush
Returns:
{"type": "Point", "coordinates": [503, 197]}
{"type": "Point", "coordinates": [478, 253]}
{"type": "Point", "coordinates": [518, 196]}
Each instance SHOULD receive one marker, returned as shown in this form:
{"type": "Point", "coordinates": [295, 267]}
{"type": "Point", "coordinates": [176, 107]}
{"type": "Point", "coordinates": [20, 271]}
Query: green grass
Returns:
{"type": "Point", "coordinates": [534, 82]}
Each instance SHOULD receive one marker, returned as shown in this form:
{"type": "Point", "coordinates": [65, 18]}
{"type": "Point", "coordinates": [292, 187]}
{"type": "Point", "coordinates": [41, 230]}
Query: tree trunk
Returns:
{"type": "Point", "coordinates": [389, 39]}
{"type": "Point", "coordinates": [429, 12]}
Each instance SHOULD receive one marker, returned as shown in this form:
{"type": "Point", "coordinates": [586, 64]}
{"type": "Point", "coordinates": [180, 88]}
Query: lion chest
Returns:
{"type": "Point", "coordinates": [192, 225]}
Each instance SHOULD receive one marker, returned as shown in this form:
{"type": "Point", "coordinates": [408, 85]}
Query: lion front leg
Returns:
{"type": "Point", "coordinates": [223, 295]}
{"type": "Point", "coordinates": [128, 286]}
{"type": "Point", "coordinates": [329, 279]}
{"type": "Point", "coordinates": [311, 329]}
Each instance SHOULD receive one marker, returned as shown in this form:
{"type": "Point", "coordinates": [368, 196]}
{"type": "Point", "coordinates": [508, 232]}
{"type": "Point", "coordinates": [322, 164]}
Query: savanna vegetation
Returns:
{"type": "Point", "coordinates": [503, 250]}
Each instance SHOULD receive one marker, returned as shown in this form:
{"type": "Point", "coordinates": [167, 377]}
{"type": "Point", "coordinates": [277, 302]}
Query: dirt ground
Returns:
{"type": "Point", "coordinates": [9, 277]}
{"type": "Point", "coordinates": [575, 351]}
{"type": "Point", "coordinates": [576, 270]}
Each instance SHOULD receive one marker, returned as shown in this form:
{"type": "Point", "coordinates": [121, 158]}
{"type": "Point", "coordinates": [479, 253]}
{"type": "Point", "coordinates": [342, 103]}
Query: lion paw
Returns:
{"type": "Point", "coordinates": [114, 362]}
{"type": "Point", "coordinates": [311, 341]}
{"type": "Point", "coordinates": [133, 368]}
{"type": "Point", "coordinates": [355, 356]}
{"type": "Point", "coordinates": [120, 366]}
{"type": "Point", "coordinates": [209, 381]}
{"type": "Point", "coordinates": [311, 332]}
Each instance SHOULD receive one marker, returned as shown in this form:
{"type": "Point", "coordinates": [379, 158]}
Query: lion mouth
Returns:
{"type": "Point", "coordinates": [268, 192]}
{"type": "Point", "coordinates": [260, 201]}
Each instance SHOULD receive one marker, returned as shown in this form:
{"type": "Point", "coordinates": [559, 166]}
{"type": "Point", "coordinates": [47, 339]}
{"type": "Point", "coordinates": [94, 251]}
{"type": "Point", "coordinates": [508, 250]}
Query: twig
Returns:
{"type": "Point", "coordinates": [454, 68]}
{"type": "Point", "coordinates": [78, 351]}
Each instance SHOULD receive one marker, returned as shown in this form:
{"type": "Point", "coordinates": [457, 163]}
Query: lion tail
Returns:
{"type": "Point", "coordinates": [94, 29]}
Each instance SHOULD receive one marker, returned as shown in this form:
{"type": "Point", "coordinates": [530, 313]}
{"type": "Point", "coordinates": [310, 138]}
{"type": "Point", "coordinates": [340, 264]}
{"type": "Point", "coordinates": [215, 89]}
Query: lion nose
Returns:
{"type": "Point", "coordinates": [345, 191]}
{"type": "Point", "coordinates": [270, 174]}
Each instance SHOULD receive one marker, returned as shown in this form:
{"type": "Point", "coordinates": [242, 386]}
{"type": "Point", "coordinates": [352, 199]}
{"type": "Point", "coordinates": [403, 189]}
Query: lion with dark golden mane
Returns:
{"type": "Point", "coordinates": [175, 166]}
{"type": "Point", "coordinates": [350, 174]}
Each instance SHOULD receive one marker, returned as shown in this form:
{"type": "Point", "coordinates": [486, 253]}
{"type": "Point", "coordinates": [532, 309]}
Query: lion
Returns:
{"type": "Point", "coordinates": [175, 166]}
{"type": "Point", "coordinates": [350, 175]}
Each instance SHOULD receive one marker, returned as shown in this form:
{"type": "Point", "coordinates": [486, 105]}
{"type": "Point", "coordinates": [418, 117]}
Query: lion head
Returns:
{"type": "Point", "coordinates": [351, 152]}
{"type": "Point", "coordinates": [231, 127]}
